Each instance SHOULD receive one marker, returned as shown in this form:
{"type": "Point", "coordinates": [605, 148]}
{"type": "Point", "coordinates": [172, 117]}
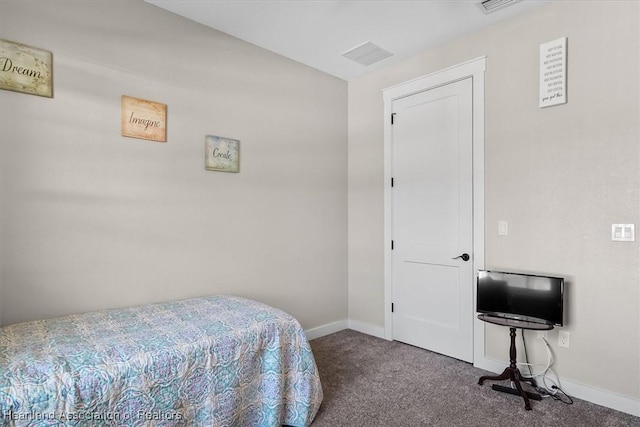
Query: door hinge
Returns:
{"type": "Point", "coordinates": [392, 117]}
{"type": "Point", "coordinates": [392, 307]}
{"type": "Point", "coordinates": [391, 182]}
{"type": "Point", "coordinates": [392, 245]}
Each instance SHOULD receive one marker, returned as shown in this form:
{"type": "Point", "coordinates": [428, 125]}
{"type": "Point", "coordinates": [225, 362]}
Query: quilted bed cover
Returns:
{"type": "Point", "coordinates": [211, 361]}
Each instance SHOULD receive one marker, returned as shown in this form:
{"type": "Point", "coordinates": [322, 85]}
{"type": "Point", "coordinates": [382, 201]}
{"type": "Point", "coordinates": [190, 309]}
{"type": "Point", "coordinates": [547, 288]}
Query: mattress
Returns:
{"type": "Point", "coordinates": [211, 361]}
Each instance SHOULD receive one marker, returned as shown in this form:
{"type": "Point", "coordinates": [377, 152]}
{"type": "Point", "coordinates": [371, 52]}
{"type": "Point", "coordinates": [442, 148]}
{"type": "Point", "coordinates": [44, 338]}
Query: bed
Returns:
{"type": "Point", "coordinates": [211, 361]}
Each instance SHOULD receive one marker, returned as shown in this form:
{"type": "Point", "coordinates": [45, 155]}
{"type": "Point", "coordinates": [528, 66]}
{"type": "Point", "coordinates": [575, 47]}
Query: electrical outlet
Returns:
{"type": "Point", "coordinates": [563, 339]}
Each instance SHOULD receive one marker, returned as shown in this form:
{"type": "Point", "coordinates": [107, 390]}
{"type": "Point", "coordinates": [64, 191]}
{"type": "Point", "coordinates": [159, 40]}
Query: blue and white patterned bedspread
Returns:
{"type": "Point", "coordinates": [212, 361]}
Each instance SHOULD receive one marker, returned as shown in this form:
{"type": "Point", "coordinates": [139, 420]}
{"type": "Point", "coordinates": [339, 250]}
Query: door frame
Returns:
{"type": "Point", "coordinates": [476, 70]}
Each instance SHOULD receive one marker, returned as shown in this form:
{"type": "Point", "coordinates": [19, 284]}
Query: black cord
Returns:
{"type": "Point", "coordinates": [568, 400]}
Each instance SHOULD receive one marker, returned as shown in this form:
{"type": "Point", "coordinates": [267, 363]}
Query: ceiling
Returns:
{"type": "Point", "coordinates": [318, 32]}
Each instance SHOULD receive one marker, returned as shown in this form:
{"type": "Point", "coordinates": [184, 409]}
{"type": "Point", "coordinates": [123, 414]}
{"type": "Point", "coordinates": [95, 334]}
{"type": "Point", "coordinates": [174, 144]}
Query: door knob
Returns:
{"type": "Point", "coordinates": [465, 257]}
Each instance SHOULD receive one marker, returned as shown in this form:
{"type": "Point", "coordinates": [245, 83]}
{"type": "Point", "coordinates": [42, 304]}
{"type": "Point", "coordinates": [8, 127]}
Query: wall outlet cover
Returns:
{"type": "Point", "coordinates": [564, 339]}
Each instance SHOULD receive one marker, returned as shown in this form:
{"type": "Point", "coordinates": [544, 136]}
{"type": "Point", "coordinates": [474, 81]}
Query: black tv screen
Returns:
{"type": "Point", "coordinates": [521, 296]}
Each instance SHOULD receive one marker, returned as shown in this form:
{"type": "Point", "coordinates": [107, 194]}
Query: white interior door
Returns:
{"type": "Point", "coordinates": [432, 219]}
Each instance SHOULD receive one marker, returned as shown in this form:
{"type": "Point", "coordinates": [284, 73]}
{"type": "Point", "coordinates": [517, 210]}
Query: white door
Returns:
{"type": "Point", "coordinates": [432, 219]}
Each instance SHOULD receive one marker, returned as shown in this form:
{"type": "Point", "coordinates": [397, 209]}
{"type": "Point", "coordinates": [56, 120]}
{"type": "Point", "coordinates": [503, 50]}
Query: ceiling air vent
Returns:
{"type": "Point", "coordinates": [367, 53]}
{"type": "Point", "coordinates": [489, 6]}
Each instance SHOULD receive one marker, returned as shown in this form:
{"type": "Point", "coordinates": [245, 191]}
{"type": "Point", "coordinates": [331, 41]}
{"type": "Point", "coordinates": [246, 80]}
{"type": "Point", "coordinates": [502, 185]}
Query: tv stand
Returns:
{"type": "Point", "coordinates": [512, 372]}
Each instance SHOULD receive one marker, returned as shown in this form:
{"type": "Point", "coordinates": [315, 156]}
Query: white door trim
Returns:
{"type": "Point", "coordinates": [474, 69]}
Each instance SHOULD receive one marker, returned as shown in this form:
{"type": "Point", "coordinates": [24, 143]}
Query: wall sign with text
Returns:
{"type": "Point", "coordinates": [553, 73]}
{"type": "Point", "coordinates": [221, 154]}
{"type": "Point", "coordinates": [26, 69]}
{"type": "Point", "coordinates": [144, 119]}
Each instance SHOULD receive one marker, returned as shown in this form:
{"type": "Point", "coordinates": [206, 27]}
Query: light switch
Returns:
{"type": "Point", "coordinates": [623, 232]}
{"type": "Point", "coordinates": [503, 228]}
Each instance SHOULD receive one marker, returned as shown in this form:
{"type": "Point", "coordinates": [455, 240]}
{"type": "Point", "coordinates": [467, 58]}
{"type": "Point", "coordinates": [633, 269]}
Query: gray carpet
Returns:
{"type": "Point", "coordinates": [372, 382]}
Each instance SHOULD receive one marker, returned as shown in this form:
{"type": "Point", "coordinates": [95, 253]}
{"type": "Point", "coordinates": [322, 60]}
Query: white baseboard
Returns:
{"type": "Point", "coordinates": [367, 328]}
{"type": "Point", "coordinates": [580, 391]}
{"type": "Point", "coordinates": [356, 325]}
{"type": "Point", "coordinates": [327, 329]}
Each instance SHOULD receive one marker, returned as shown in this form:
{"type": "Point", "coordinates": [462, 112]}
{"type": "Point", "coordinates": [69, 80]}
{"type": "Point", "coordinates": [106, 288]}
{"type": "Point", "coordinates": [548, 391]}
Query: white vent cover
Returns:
{"type": "Point", "coordinates": [367, 53]}
{"type": "Point", "coordinates": [489, 6]}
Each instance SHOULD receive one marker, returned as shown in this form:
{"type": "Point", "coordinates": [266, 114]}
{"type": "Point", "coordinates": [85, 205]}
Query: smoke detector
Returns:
{"type": "Point", "coordinates": [367, 53]}
{"type": "Point", "coordinates": [490, 6]}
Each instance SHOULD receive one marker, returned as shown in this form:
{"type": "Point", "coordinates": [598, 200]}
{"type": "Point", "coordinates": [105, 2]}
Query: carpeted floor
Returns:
{"type": "Point", "coordinates": [372, 382]}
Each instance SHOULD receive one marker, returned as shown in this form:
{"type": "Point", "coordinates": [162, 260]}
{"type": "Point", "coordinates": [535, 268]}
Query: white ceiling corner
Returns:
{"type": "Point", "coordinates": [317, 33]}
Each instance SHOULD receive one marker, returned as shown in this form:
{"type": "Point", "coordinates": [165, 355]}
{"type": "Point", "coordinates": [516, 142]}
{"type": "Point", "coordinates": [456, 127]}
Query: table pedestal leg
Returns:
{"type": "Point", "coordinates": [512, 373]}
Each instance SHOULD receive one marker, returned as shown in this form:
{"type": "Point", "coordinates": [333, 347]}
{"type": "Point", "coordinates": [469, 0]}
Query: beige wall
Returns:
{"type": "Point", "coordinates": [561, 176]}
{"type": "Point", "coordinates": [90, 219]}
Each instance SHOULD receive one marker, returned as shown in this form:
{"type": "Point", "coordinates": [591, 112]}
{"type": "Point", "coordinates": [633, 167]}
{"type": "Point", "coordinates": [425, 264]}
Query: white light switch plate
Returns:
{"type": "Point", "coordinates": [623, 232]}
{"type": "Point", "coordinates": [503, 228]}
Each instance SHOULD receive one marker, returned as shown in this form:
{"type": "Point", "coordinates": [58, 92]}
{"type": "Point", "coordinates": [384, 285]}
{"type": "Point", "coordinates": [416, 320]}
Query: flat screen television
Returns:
{"type": "Point", "coordinates": [517, 296]}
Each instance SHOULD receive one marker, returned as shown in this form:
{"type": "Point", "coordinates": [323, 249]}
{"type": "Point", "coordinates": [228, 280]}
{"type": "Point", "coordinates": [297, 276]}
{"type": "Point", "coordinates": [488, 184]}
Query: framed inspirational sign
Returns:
{"type": "Point", "coordinates": [26, 69]}
{"type": "Point", "coordinates": [144, 119]}
{"type": "Point", "coordinates": [553, 73]}
{"type": "Point", "coordinates": [221, 154]}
